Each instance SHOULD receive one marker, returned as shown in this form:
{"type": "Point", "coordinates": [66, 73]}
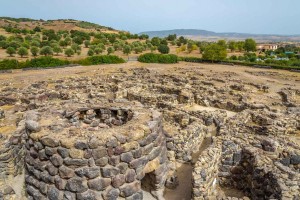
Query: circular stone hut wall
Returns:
{"type": "Point", "coordinates": [95, 153]}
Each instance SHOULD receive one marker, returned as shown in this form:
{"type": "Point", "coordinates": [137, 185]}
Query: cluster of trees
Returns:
{"type": "Point", "coordinates": [49, 42]}
{"type": "Point", "coordinates": [46, 43]}
{"type": "Point", "coordinates": [287, 56]}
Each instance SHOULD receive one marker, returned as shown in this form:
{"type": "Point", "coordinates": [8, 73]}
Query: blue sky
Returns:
{"type": "Point", "coordinates": [247, 16]}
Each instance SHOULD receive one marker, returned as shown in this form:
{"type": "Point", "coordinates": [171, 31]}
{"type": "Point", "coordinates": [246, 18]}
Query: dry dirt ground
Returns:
{"type": "Point", "coordinates": [275, 79]}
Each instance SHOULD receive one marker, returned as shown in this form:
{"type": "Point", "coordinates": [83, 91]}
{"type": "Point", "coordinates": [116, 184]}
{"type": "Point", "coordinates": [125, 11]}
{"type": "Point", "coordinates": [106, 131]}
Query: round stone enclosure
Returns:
{"type": "Point", "coordinates": [69, 157]}
{"type": "Point", "coordinates": [101, 116]}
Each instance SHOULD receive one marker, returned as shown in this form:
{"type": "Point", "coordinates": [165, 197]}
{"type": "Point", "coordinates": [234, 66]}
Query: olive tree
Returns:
{"type": "Point", "coordinates": [69, 52]}
{"type": "Point", "coordinates": [22, 52]}
{"type": "Point", "coordinates": [11, 51]}
{"type": "Point", "coordinates": [46, 51]}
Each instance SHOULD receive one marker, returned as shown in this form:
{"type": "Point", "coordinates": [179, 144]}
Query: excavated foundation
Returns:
{"type": "Point", "coordinates": [173, 132]}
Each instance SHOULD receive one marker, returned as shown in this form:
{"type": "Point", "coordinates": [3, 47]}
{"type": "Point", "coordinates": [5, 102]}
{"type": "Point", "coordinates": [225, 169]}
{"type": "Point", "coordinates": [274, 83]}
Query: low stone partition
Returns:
{"type": "Point", "coordinates": [247, 169]}
{"type": "Point", "coordinates": [205, 172]}
{"type": "Point", "coordinates": [92, 152]}
{"type": "Point", "coordinates": [11, 157]}
{"type": "Point", "coordinates": [185, 132]}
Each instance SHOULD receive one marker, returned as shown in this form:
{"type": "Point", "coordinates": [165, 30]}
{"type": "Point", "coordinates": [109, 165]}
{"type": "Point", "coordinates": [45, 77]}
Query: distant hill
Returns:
{"type": "Point", "coordinates": [58, 24]}
{"type": "Point", "coordinates": [210, 35]}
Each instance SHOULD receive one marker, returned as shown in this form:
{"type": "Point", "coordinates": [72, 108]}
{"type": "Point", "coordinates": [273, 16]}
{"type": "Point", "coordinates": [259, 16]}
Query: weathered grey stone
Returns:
{"type": "Point", "coordinates": [130, 176]}
{"type": "Point", "coordinates": [89, 172]}
{"type": "Point", "coordinates": [127, 157]}
{"type": "Point", "coordinates": [295, 159]}
{"type": "Point", "coordinates": [122, 167]}
{"type": "Point", "coordinates": [129, 189]}
{"type": "Point", "coordinates": [32, 126]}
{"type": "Point", "coordinates": [118, 180]}
{"type": "Point", "coordinates": [76, 184]}
{"type": "Point", "coordinates": [114, 160]}
{"type": "Point", "coordinates": [42, 155]}
{"type": "Point", "coordinates": [112, 143]}
{"type": "Point", "coordinates": [69, 195]}
{"type": "Point", "coordinates": [88, 195]}
{"type": "Point", "coordinates": [46, 177]}
{"type": "Point", "coordinates": [48, 141]}
{"type": "Point", "coordinates": [138, 162]}
{"type": "Point", "coordinates": [34, 192]}
{"type": "Point", "coordinates": [100, 152]}
{"type": "Point", "coordinates": [60, 183]}
{"type": "Point", "coordinates": [136, 196]}
{"type": "Point", "coordinates": [54, 193]}
{"type": "Point", "coordinates": [50, 151]}
{"type": "Point", "coordinates": [99, 184]}
{"type": "Point", "coordinates": [110, 193]}
{"type": "Point", "coordinates": [56, 160]}
{"type": "Point", "coordinates": [101, 162]}
{"type": "Point", "coordinates": [51, 169]}
{"type": "Point", "coordinates": [43, 187]}
{"type": "Point", "coordinates": [109, 171]}
{"type": "Point", "coordinates": [286, 161]}
{"type": "Point", "coordinates": [32, 181]}
{"type": "Point", "coordinates": [75, 162]}
{"type": "Point", "coordinates": [66, 172]}
{"type": "Point", "coordinates": [63, 152]}
{"type": "Point", "coordinates": [81, 145]}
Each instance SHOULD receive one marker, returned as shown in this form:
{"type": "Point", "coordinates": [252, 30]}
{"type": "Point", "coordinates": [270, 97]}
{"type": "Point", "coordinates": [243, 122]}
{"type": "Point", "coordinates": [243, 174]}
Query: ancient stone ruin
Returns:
{"type": "Point", "coordinates": [130, 134]}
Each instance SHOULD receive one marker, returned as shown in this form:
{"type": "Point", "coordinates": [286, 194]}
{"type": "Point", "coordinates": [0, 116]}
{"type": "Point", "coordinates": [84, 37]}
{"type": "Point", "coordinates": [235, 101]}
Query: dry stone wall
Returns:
{"type": "Point", "coordinates": [205, 172]}
{"type": "Point", "coordinates": [97, 168]}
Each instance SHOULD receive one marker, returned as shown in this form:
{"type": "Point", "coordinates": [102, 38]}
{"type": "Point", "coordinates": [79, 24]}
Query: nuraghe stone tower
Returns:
{"type": "Point", "coordinates": [94, 152]}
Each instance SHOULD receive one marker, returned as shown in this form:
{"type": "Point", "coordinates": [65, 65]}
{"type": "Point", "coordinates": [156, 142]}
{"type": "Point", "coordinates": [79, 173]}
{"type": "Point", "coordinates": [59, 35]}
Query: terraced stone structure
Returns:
{"type": "Point", "coordinates": [95, 153]}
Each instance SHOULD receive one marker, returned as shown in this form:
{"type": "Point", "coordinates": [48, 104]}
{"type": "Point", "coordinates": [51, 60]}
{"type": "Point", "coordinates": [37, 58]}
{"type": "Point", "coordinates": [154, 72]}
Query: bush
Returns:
{"type": "Point", "coordinates": [46, 50]}
{"type": "Point", "coordinates": [96, 60]}
{"type": "Point", "coordinates": [69, 52]}
{"type": "Point", "coordinates": [11, 51]}
{"type": "Point", "coordinates": [164, 49]}
{"type": "Point", "coordinates": [90, 52]}
{"type": "Point", "coordinates": [9, 64]}
{"type": "Point", "coordinates": [23, 52]}
{"type": "Point", "coordinates": [191, 59]}
{"type": "Point", "coordinates": [34, 51]}
{"type": "Point", "coordinates": [157, 58]}
{"type": "Point", "coordinates": [44, 62]}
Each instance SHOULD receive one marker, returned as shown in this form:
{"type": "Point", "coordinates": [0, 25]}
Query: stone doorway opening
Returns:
{"type": "Point", "coordinates": [148, 186]}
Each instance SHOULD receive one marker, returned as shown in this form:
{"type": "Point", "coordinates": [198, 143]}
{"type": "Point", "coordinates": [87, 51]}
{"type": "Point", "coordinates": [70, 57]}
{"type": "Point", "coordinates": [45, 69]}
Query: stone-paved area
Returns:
{"type": "Point", "coordinates": [256, 149]}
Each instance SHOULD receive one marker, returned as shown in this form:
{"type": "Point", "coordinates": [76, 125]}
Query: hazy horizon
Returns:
{"type": "Point", "coordinates": [255, 17]}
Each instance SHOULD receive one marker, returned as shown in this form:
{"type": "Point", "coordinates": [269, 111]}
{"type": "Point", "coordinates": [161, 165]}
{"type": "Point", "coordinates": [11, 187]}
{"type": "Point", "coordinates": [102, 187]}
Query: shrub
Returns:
{"type": "Point", "coordinates": [127, 50]}
{"type": "Point", "coordinates": [191, 59]}
{"type": "Point", "coordinates": [23, 51]}
{"type": "Point", "coordinates": [46, 51]}
{"type": "Point", "coordinates": [104, 59]}
{"type": "Point", "coordinates": [34, 51]}
{"type": "Point", "coordinates": [57, 49]}
{"type": "Point", "coordinates": [164, 49]}
{"type": "Point", "coordinates": [90, 52]}
{"type": "Point", "coordinates": [110, 50]}
{"type": "Point", "coordinates": [69, 52]}
{"type": "Point", "coordinates": [11, 51]}
{"type": "Point", "coordinates": [46, 61]}
{"type": "Point", "coordinates": [157, 58]}
{"type": "Point", "coordinates": [9, 64]}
